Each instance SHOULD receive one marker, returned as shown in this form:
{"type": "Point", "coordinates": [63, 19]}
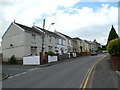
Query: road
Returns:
{"type": "Point", "coordinates": [63, 75]}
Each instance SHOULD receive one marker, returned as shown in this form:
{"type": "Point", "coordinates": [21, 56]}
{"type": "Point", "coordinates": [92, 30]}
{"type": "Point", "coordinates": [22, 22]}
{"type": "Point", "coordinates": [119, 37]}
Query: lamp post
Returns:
{"type": "Point", "coordinates": [50, 25]}
{"type": "Point", "coordinates": [43, 47]}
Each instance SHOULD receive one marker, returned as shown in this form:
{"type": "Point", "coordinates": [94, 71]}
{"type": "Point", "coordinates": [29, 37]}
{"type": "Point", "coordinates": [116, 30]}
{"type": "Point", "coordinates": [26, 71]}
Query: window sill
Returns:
{"type": "Point", "coordinates": [33, 42]}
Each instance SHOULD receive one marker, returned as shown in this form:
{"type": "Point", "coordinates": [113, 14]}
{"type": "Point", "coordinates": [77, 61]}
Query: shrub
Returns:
{"type": "Point", "coordinates": [51, 53]}
{"type": "Point", "coordinates": [12, 60]}
{"type": "Point", "coordinates": [113, 47]}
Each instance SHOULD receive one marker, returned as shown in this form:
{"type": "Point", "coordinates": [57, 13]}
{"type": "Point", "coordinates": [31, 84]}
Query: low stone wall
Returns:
{"type": "Point", "coordinates": [63, 57]}
{"type": "Point", "coordinates": [78, 54]}
{"type": "Point", "coordinates": [85, 53]}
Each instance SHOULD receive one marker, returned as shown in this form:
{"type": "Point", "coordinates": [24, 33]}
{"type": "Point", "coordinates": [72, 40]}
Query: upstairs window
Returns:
{"type": "Point", "coordinates": [50, 39]}
{"type": "Point", "coordinates": [33, 38]}
{"type": "Point", "coordinates": [68, 42]}
{"type": "Point", "coordinates": [62, 42]}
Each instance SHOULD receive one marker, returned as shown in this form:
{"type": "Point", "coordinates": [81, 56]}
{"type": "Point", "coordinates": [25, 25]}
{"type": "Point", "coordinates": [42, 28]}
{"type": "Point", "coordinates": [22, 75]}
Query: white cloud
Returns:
{"type": "Point", "coordinates": [26, 11]}
{"type": "Point", "coordinates": [85, 23]}
{"type": "Point", "coordinates": [99, 0]}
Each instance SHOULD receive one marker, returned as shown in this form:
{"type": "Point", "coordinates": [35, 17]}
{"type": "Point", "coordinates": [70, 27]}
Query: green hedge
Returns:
{"type": "Point", "coordinates": [113, 47]}
{"type": "Point", "coordinates": [51, 53]}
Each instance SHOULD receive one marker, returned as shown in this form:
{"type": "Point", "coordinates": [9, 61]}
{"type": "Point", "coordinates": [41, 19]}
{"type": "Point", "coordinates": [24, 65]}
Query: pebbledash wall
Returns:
{"type": "Point", "coordinates": [10, 43]}
{"type": "Point", "coordinates": [18, 42]}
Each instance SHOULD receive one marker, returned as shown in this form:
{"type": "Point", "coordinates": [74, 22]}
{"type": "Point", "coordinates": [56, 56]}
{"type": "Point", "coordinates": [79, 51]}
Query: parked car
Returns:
{"type": "Point", "coordinates": [93, 53]}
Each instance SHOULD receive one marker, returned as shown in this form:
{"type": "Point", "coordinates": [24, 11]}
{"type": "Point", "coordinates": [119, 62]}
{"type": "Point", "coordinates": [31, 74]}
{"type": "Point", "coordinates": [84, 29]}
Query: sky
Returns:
{"type": "Point", "coordinates": [75, 18]}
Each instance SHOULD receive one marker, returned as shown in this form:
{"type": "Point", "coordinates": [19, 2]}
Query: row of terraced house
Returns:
{"type": "Point", "coordinates": [21, 40]}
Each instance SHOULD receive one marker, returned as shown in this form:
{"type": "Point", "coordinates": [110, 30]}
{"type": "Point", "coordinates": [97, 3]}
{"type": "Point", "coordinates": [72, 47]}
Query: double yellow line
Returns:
{"type": "Point", "coordinates": [87, 76]}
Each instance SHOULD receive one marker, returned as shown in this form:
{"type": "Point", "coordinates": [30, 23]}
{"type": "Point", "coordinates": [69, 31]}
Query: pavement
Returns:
{"type": "Point", "coordinates": [104, 76]}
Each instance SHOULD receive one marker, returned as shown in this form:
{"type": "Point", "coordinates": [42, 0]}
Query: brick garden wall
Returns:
{"type": "Point", "coordinates": [63, 57]}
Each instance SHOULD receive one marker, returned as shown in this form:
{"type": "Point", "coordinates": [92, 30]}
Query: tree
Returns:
{"type": "Point", "coordinates": [112, 34]}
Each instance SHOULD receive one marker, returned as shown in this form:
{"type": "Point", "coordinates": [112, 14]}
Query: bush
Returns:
{"type": "Point", "coordinates": [51, 53]}
{"type": "Point", "coordinates": [113, 47]}
{"type": "Point", "coordinates": [12, 60]}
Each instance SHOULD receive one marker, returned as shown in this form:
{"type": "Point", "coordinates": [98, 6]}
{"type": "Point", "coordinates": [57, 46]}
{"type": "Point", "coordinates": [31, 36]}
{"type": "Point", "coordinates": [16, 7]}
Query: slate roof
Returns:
{"type": "Point", "coordinates": [49, 32]}
{"type": "Point", "coordinates": [77, 38]}
{"type": "Point", "coordinates": [87, 41]}
{"type": "Point", "coordinates": [66, 35]}
{"type": "Point", "coordinates": [34, 29]}
{"type": "Point", "coordinates": [28, 29]}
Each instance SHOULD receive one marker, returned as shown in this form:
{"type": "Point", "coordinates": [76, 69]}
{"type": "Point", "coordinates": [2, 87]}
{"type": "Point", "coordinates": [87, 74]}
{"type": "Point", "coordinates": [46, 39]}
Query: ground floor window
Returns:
{"type": "Point", "coordinates": [50, 48]}
{"type": "Point", "coordinates": [33, 50]}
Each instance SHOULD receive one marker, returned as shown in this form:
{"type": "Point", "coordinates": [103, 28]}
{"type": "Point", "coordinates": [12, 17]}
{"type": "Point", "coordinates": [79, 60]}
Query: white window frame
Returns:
{"type": "Point", "coordinates": [33, 38]}
{"type": "Point", "coordinates": [50, 39]}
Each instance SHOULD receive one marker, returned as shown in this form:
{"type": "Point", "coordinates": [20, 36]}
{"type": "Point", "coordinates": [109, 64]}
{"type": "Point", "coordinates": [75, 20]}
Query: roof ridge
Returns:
{"type": "Point", "coordinates": [22, 25]}
{"type": "Point", "coordinates": [49, 32]}
{"type": "Point", "coordinates": [65, 35]}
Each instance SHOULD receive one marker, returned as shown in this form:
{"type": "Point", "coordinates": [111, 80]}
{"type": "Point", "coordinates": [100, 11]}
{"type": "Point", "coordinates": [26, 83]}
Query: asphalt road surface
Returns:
{"type": "Point", "coordinates": [63, 75]}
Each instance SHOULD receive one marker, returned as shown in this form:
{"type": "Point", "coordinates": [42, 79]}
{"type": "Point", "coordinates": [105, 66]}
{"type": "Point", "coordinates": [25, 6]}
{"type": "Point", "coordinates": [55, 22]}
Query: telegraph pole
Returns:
{"type": "Point", "coordinates": [43, 36]}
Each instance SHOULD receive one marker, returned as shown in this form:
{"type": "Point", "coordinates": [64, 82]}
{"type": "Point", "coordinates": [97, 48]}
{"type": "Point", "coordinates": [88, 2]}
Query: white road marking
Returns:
{"type": "Point", "coordinates": [23, 72]}
{"type": "Point", "coordinates": [10, 77]}
{"type": "Point", "coordinates": [17, 74]}
{"type": "Point", "coordinates": [31, 70]}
